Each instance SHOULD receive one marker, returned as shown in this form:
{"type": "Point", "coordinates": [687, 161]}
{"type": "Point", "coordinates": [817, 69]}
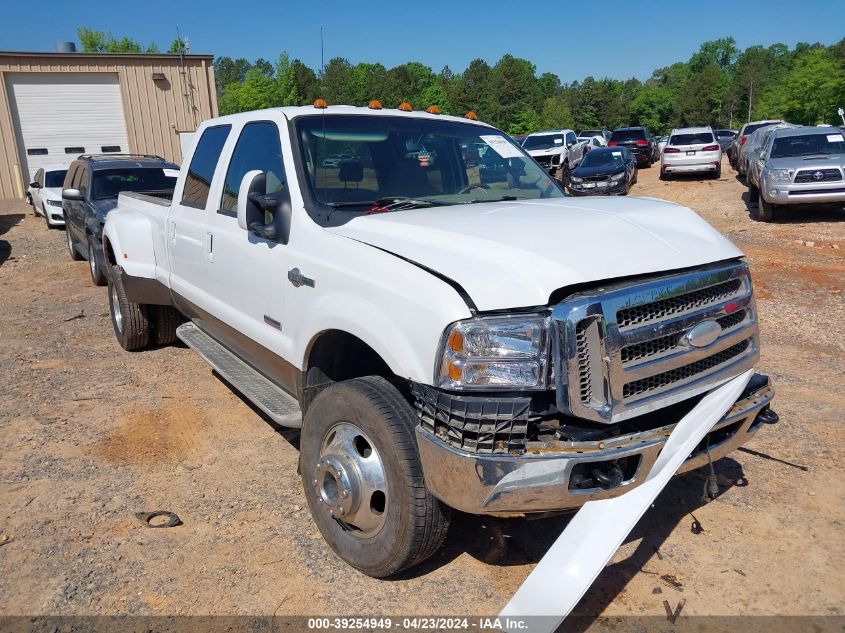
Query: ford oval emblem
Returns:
{"type": "Point", "coordinates": [704, 333]}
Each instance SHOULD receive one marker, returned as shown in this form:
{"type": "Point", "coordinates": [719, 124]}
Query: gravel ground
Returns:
{"type": "Point", "coordinates": [90, 435]}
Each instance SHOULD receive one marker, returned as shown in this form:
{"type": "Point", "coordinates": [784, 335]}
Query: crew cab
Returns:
{"type": "Point", "coordinates": [448, 330]}
{"type": "Point", "coordinates": [91, 187]}
{"type": "Point", "coordinates": [558, 151]}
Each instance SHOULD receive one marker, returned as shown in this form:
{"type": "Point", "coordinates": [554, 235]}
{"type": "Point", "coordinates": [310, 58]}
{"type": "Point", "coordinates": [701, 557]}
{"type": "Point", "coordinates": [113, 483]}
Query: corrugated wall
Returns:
{"type": "Point", "coordinates": [155, 109]}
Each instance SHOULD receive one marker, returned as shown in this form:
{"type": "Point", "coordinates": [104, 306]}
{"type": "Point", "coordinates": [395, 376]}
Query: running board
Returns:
{"type": "Point", "coordinates": [265, 395]}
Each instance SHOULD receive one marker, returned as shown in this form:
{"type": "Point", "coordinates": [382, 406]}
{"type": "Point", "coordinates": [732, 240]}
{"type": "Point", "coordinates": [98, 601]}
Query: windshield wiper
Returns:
{"type": "Point", "coordinates": [398, 203]}
{"type": "Point", "coordinates": [502, 199]}
{"type": "Point", "coordinates": [361, 203]}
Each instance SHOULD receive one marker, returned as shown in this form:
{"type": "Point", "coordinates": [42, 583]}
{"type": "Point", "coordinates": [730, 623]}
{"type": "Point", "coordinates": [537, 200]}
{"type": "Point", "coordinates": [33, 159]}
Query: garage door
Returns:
{"type": "Point", "coordinates": [58, 116]}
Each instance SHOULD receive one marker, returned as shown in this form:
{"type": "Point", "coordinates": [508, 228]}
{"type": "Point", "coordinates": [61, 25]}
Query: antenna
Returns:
{"type": "Point", "coordinates": [322, 54]}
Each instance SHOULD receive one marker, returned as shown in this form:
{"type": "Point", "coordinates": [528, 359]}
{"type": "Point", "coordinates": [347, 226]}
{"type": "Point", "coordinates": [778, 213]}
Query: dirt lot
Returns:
{"type": "Point", "coordinates": [90, 435]}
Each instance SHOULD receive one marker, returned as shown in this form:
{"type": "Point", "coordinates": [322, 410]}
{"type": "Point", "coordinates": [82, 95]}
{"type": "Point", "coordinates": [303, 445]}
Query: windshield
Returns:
{"type": "Point", "coordinates": [691, 139]}
{"type": "Point", "coordinates": [544, 141]}
{"type": "Point", "coordinates": [591, 133]}
{"type": "Point", "coordinates": [110, 182]}
{"type": "Point", "coordinates": [750, 129]}
{"type": "Point", "coordinates": [394, 163]}
{"type": "Point", "coordinates": [808, 145]}
{"type": "Point", "coordinates": [724, 134]}
{"type": "Point", "coordinates": [54, 178]}
{"type": "Point", "coordinates": [602, 159]}
{"type": "Point", "coordinates": [626, 136]}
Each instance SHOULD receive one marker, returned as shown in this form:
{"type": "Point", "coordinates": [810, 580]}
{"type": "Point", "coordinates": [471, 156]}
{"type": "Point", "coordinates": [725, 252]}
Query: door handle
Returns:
{"type": "Point", "coordinates": [173, 231]}
{"type": "Point", "coordinates": [209, 246]}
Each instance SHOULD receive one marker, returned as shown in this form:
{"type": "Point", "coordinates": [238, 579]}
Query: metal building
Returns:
{"type": "Point", "coordinates": [55, 106]}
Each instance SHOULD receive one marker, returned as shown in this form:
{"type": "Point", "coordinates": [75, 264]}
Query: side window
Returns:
{"type": "Point", "coordinates": [258, 147]}
{"type": "Point", "coordinates": [203, 163]}
{"type": "Point", "coordinates": [39, 177]}
{"type": "Point", "coordinates": [82, 179]}
{"type": "Point", "coordinates": [570, 138]}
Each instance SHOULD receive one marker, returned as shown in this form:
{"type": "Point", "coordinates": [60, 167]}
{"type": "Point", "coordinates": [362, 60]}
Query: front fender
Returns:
{"type": "Point", "coordinates": [129, 236]}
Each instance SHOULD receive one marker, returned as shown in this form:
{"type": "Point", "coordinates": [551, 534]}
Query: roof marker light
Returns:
{"type": "Point", "coordinates": [405, 107]}
{"type": "Point", "coordinates": [374, 105]}
{"type": "Point", "coordinates": [433, 109]}
{"type": "Point", "coordinates": [471, 116]}
{"type": "Point", "coordinates": [321, 104]}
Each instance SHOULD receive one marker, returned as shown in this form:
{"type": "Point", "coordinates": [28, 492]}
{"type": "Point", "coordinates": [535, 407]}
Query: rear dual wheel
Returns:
{"type": "Point", "coordinates": [136, 325]}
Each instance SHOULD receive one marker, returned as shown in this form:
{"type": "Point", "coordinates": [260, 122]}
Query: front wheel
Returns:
{"type": "Point", "coordinates": [363, 479]}
{"type": "Point", "coordinates": [565, 174]}
{"type": "Point", "coordinates": [765, 211]}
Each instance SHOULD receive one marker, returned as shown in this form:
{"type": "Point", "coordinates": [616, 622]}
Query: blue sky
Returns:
{"type": "Point", "coordinates": [572, 39]}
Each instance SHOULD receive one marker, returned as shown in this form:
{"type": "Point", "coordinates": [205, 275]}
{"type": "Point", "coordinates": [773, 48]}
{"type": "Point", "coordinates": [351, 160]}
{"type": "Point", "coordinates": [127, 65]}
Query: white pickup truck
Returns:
{"type": "Point", "coordinates": [447, 332]}
{"type": "Point", "coordinates": [558, 151]}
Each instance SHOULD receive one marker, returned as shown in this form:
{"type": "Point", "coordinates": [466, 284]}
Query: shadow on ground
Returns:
{"type": "Point", "coordinates": [6, 223]}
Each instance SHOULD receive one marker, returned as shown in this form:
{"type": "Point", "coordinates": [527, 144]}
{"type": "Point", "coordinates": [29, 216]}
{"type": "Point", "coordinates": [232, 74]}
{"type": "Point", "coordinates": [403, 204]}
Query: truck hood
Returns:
{"type": "Point", "coordinates": [515, 254]}
{"type": "Point", "coordinates": [825, 161]}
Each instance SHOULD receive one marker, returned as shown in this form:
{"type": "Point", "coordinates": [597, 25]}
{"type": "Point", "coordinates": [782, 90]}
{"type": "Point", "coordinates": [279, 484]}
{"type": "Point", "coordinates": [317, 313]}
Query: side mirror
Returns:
{"type": "Point", "coordinates": [72, 194]}
{"type": "Point", "coordinates": [34, 184]}
{"type": "Point", "coordinates": [248, 212]}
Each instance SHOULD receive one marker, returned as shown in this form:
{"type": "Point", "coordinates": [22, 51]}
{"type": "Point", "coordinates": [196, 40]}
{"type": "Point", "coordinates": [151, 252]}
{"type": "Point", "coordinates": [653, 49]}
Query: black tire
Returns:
{"type": "Point", "coordinates": [44, 211]}
{"type": "Point", "coordinates": [718, 173]}
{"type": "Point", "coordinates": [764, 212]}
{"type": "Point", "coordinates": [133, 327]}
{"type": "Point", "coordinates": [416, 522]}
{"type": "Point", "coordinates": [649, 162]}
{"type": "Point", "coordinates": [753, 191]}
{"type": "Point", "coordinates": [71, 244]}
{"type": "Point", "coordinates": [98, 275]}
{"type": "Point", "coordinates": [663, 174]}
{"type": "Point", "coordinates": [167, 319]}
{"type": "Point", "coordinates": [565, 174]}
{"type": "Point", "coordinates": [636, 175]}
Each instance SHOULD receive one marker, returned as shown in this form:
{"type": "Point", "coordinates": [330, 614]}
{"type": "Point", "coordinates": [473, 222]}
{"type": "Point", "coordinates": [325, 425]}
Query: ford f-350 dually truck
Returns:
{"type": "Point", "coordinates": [447, 333]}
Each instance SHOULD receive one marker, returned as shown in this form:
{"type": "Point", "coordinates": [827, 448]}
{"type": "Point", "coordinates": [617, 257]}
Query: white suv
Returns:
{"type": "Point", "coordinates": [691, 149]}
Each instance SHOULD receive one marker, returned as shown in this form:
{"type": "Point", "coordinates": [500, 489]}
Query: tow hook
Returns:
{"type": "Point", "coordinates": [767, 416]}
{"type": "Point", "coordinates": [608, 477]}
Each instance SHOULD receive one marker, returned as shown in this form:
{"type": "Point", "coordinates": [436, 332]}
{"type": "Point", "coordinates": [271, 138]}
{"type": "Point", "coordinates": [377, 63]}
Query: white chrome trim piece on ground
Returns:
{"type": "Point", "coordinates": [576, 558]}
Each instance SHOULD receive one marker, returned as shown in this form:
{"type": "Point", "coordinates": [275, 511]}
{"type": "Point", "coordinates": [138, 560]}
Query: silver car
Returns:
{"type": "Point", "coordinates": [747, 130]}
{"type": "Point", "coordinates": [755, 145]}
{"type": "Point", "coordinates": [691, 150]}
{"type": "Point", "coordinates": [800, 165]}
{"type": "Point", "coordinates": [752, 146]}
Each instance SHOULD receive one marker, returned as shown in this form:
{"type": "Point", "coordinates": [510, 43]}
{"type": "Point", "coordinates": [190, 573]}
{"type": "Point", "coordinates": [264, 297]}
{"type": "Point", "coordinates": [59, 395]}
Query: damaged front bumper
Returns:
{"type": "Point", "coordinates": [551, 476]}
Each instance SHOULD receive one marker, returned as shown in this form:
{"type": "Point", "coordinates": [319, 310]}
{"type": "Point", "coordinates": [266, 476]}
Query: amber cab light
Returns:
{"type": "Point", "coordinates": [374, 105]}
{"type": "Point", "coordinates": [471, 115]}
{"type": "Point", "coordinates": [321, 104]}
{"type": "Point", "coordinates": [405, 107]}
{"type": "Point", "coordinates": [433, 109]}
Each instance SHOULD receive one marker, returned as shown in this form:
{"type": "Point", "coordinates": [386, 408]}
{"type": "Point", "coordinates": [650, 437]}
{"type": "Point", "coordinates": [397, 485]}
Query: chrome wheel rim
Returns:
{"type": "Point", "coordinates": [92, 261]}
{"type": "Point", "coordinates": [115, 308]}
{"type": "Point", "coordinates": [350, 481]}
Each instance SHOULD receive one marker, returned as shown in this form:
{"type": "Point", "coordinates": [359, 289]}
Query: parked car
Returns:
{"type": "Point", "coordinates": [661, 143]}
{"type": "Point", "coordinates": [557, 151]}
{"type": "Point", "coordinates": [798, 166]}
{"type": "Point", "coordinates": [592, 141]}
{"type": "Point", "coordinates": [691, 150]}
{"type": "Point", "coordinates": [91, 188]}
{"type": "Point", "coordinates": [605, 171]}
{"type": "Point", "coordinates": [45, 195]}
{"type": "Point", "coordinates": [639, 141]}
{"type": "Point", "coordinates": [752, 146]}
{"type": "Point", "coordinates": [752, 151]}
{"type": "Point", "coordinates": [605, 134]}
{"type": "Point", "coordinates": [740, 139]}
{"type": "Point", "coordinates": [725, 138]}
{"type": "Point", "coordinates": [498, 349]}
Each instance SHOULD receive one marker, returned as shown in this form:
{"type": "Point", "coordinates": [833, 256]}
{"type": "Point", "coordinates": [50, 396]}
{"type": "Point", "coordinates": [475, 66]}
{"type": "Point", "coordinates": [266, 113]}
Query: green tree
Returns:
{"type": "Point", "coordinates": [336, 82]}
{"type": "Point", "coordinates": [556, 113]}
{"type": "Point", "coordinates": [228, 71]}
{"type": "Point", "coordinates": [178, 47]}
{"type": "Point", "coordinates": [104, 42]}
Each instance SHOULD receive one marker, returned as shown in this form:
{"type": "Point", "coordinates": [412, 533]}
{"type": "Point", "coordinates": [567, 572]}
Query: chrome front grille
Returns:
{"type": "Point", "coordinates": [825, 175]}
{"type": "Point", "coordinates": [630, 348]}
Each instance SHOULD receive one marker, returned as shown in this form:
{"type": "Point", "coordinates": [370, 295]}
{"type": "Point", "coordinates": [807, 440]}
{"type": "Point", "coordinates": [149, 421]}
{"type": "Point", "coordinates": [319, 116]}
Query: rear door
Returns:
{"type": "Point", "coordinates": [187, 224]}
{"type": "Point", "coordinates": [76, 208]}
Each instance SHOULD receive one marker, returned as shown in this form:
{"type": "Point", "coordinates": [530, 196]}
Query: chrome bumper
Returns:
{"type": "Point", "coordinates": [539, 479]}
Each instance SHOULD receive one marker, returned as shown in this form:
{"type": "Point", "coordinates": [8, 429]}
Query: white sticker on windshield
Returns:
{"type": "Point", "coordinates": [171, 173]}
{"type": "Point", "coordinates": [835, 138]}
{"type": "Point", "coordinates": [617, 153]}
{"type": "Point", "coordinates": [558, 141]}
{"type": "Point", "coordinates": [501, 146]}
